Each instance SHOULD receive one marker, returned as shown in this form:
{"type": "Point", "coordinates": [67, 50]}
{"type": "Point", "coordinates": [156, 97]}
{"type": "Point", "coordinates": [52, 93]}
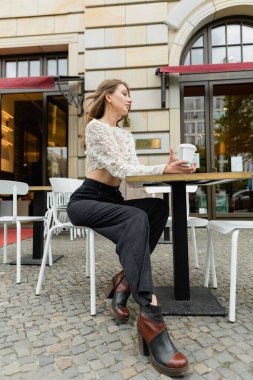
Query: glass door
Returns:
{"type": "Point", "coordinates": [57, 137]}
{"type": "Point", "coordinates": [195, 116]}
{"type": "Point", "coordinates": [218, 118]}
{"type": "Point", "coordinates": [232, 128]}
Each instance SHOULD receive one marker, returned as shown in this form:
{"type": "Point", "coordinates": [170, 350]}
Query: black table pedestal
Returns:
{"type": "Point", "coordinates": [202, 302]}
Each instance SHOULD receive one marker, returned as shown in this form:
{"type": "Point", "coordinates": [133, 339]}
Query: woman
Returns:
{"type": "Point", "coordinates": [133, 225]}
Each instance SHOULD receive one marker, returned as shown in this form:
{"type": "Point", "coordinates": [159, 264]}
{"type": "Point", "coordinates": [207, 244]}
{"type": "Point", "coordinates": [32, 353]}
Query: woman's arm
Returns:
{"type": "Point", "coordinates": [111, 155]}
{"type": "Point", "coordinates": [101, 148]}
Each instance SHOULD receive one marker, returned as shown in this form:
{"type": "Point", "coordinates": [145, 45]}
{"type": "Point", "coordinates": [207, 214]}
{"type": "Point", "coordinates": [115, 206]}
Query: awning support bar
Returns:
{"type": "Point", "coordinates": [163, 87]}
{"type": "Point", "coordinates": [72, 97]}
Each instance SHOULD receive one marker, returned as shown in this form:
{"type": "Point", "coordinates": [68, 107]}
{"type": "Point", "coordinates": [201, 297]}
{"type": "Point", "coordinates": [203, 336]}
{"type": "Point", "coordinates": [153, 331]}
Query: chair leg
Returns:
{"type": "Point", "coordinates": [18, 258]}
{"type": "Point", "coordinates": [210, 261]}
{"type": "Point", "coordinates": [213, 268]}
{"type": "Point", "coordinates": [194, 247]}
{"type": "Point", "coordinates": [92, 273]}
{"type": "Point", "coordinates": [233, 270]}
{"type": "Point", "coordinates": [208, 256]}
{"type": "Point", "coordinates": [50, 256]}
{"type": "Point", "coordinates": [87, 253]}
{"type": "Point", "coordinates": [44, 260]}
{"type": "Point", "coordinates": [5, 243]}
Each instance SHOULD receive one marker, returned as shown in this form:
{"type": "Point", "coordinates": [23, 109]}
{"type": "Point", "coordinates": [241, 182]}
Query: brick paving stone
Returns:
{"type": "Point", "coordinates": [115, 376]}
{"type": "Point", "coordinates": [64, 363]}
{"type": "Point", "coordinates": [44, 360]}
{"type": "Point", "coordinates": [55, 337]}
{"type": "Point", "coordinates": [79, 349]}
{"type": "Point", "coordinates": [201, 368]}
{"type": "Point", "coordinates": [128, 373]}
{"type": "Point", "coordinates": [108, 359]}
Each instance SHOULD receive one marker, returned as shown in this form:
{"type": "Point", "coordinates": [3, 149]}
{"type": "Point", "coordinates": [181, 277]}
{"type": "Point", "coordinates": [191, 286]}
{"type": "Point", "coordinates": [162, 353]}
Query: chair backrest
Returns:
{"type": "Point", "coordinates": [13, 188]}
{"type": "Point", "coordinates": [65, 185]}
{"type": "Point", "coordinates": [62, 189]}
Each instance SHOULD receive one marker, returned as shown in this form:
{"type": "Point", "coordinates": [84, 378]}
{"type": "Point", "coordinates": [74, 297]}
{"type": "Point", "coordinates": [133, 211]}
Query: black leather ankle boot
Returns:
{"type": "Point", "coordinates": [154, 341]}
{"type": "Point", "coordinates": [118, 289]}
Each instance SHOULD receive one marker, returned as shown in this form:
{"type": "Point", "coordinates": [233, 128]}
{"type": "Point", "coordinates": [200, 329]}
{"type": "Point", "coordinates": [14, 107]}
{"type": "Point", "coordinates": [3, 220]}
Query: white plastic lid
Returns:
{"type": "Point", "coordinates": [190, 146]}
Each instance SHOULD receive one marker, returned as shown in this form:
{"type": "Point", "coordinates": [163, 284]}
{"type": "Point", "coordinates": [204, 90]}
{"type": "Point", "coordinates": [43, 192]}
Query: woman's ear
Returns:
{"type": "Point", "coordinates": [108, 97]}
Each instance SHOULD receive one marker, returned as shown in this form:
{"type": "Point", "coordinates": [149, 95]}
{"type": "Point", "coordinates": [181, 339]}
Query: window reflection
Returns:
{"type": "Point", "coordinates": [233, 34]}
{"type": "Point", "coordinates": [218, 36]}
{"type": "Point", "coordinates": [62, 66]}
{"type": "Point", "coordinates": [199, 42]}
{"type": "Point", "coordinates": [10, 69]}
{"type": "Point", "coordinates": [51, 67]}
{"type": "Point", "coordinates": [248, 53]}
{"type": "Point", "coordinates": [22, 69]}
{"type": "Point", "coordinates": [57, 137]}
{"type": "Point", "coordinates": [219, 55]}
{"type": "Point", "coordinates": [34, 68]}
{"type": "Point", "coordinates": [234, 54]}
{"type": "Point", "coordinates": [197, 57]}
{"type": "Point", "coordinates": [247, 35]}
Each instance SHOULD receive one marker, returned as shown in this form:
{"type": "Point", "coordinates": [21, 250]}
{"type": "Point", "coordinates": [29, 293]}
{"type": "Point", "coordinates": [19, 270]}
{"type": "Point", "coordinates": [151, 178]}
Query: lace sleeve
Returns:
{"type": "Point", "coordinates": [114, 152]}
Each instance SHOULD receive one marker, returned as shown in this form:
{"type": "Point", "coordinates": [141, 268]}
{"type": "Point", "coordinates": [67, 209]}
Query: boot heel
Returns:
{"type": "Point", "coordinates": [109, 290]}
{"type": "Point", "coordinates": [142, 345]}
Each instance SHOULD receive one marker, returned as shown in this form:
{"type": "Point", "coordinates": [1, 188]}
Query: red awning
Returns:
{"type": "Point", "coordinates": [191, 69]}
{"type": "Point", "coordinates": [28, 82]}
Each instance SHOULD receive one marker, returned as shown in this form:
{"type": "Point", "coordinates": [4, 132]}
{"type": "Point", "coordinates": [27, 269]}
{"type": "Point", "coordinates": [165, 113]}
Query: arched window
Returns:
{"type": "Point", "coordinates": [229, 40]}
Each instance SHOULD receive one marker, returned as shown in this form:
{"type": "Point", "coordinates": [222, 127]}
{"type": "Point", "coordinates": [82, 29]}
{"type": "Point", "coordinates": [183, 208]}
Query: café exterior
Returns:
{"type": "Point", "coordinates": [206, 99]}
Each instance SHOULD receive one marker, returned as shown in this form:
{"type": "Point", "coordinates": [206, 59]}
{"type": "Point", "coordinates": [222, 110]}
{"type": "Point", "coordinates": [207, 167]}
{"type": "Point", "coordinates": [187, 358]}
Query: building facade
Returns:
{"type": "Point", "coordinates": [131, 40]}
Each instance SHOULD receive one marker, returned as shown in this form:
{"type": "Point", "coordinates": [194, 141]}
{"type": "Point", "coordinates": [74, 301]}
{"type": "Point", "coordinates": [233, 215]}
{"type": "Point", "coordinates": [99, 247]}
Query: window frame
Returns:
{"type": "Point", "coordinates": [43, 58]}
{"type": "Point", "coordinates": [206, 32]}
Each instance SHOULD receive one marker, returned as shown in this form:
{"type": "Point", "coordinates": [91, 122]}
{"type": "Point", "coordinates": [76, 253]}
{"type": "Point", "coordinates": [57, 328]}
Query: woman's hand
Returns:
{"type": "Point", "coordinates": [175, 166]}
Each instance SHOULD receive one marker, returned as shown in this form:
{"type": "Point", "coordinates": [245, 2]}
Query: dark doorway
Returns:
{"type": "Point", "coordinates": [28, 141]}
{"type": "Point", "coordinates": [34, 137]}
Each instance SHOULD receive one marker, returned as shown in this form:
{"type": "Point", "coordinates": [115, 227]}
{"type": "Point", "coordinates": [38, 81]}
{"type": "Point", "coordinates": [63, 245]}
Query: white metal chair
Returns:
{"type": "Point", "coordinates": [66, 186]}
{"type": "Point", "coordinates": [225, 227]}
{"type": "Point", "coordinates": [14, 189]}
{"type": "Point", "coordinates": [62, 201]}
{"type": "Point", "coordinates": [192, 222]}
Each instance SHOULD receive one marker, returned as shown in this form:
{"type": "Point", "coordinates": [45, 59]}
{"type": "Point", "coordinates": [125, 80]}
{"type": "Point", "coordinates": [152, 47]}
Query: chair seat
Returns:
{"type": "Point", "coordinates": [227, 226]}
{"type": "Point", "coordinates": [6, 219]}
{"type": "Point", "coordinates": [14, 189]}
{"type": "Point", "coordinates": [191, 222]}
{"type": "Point", "coordinates": [9, 219]}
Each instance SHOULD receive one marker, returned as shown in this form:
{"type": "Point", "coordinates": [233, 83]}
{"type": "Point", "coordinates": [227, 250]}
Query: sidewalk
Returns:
{"type": "Point", "coordinates": [53, 336]}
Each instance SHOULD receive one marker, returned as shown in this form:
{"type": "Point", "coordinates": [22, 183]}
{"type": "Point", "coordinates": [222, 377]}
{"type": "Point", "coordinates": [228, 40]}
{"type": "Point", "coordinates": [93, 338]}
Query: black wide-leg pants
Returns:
{"type": "Point", "coordinates": [135, 227]}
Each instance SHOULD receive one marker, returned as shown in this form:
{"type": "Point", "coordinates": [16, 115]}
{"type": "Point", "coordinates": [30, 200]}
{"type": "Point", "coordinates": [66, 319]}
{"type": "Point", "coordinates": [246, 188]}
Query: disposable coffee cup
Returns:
{"type": "Point", "coordinates": [186, 152]}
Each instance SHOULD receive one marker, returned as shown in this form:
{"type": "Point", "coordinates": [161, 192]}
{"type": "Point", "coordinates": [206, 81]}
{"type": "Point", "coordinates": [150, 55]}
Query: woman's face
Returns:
{"type": "Point", "coordinates": [120, 100]}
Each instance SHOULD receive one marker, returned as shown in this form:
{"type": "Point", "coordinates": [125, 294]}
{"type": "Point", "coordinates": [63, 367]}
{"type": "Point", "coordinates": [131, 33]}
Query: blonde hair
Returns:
{"type": "Point", "coordinates": [94, 104]}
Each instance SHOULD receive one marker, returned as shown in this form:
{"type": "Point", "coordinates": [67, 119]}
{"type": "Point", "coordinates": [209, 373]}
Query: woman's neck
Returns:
{"type": "Point", "coordinates": [109, 118]}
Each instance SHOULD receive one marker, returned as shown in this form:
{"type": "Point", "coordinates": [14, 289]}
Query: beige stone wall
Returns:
{"type": "Point", "coordinates": [129, 40]}
{"type": "Point", "coordinates": [126, 39]}
{"type": "Point", "coordinates": [28, 26]}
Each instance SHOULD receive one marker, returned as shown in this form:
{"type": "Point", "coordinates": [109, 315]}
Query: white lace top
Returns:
{"type": "Point", "coordinates": [113, 149]}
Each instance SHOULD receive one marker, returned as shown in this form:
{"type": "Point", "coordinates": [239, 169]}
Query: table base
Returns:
{"type": "Point", "coordinates": [202, 302]}
{"type": "Point", "coordinates": [166, 237]}
{"type": "Point", "coordinates": [28, 260]}
{"type": "Point", "coordinates": [163, 241]}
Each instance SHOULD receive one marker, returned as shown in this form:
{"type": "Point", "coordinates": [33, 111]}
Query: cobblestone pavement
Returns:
{"type": "Point", "coordinates": [53, 336]}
